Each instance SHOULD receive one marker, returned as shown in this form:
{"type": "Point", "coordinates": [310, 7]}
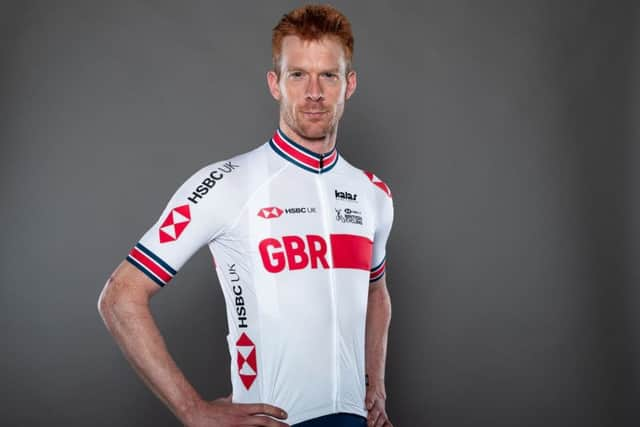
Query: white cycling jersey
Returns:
{"type": "Point", "coordinates": [296, 238]}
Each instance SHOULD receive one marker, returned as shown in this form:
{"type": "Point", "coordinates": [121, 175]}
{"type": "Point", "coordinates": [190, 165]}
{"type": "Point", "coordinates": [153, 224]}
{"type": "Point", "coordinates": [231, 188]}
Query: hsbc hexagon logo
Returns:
{"type": "Point", "coordinates": [247, 365]}
{"type": "Point", "coordinates": [174, 224]}
{"type": "Point", "coordinates": [270, 212]}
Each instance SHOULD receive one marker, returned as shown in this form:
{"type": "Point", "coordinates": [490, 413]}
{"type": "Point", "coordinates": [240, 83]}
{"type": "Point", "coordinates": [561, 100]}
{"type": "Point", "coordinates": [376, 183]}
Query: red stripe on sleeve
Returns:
{"type": "Point", "coordinates": [150, 264]}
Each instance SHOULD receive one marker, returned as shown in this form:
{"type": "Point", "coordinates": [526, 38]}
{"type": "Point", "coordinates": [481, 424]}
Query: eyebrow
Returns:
{"type": "Point", "coordinates": [331, 70]}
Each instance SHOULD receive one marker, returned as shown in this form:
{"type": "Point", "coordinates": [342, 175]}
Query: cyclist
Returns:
{"type": "Point", "coordinates": [298, 237]}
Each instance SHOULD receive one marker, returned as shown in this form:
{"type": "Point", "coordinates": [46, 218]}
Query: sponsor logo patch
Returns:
{"type": "Point", "coordinates": [276, 212]}
{"type": "Point", "coordinates": [348, 216]}
{"type": "Point", "coordinates": [210, 181]}
{"type": "Point", "coordinates": [345, 195]}
{"type": "Point", "coordinates": [270, 212]}
{"type": "Point", "coordinates": [241, 309]}
{"type": "Point", "coordinates": [174, 224]}
{"type": "Point", "coordinates": [247, 365]}
{"type": "Point", "coordinates": [300, 210]}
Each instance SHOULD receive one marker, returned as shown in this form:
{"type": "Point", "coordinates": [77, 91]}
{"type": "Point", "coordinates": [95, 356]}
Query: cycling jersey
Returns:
{"type": "Point", "coordinates": [296, 237]}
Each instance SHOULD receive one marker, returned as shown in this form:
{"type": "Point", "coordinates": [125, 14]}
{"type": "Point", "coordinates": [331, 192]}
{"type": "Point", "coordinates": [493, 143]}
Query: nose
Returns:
{"type": "Point", "coordinates": [314, 89]}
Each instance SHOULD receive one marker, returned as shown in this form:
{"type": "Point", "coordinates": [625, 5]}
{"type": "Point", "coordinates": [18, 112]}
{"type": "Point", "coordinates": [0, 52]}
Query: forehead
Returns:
{"type": "Point", "coordinates": [326, 52]}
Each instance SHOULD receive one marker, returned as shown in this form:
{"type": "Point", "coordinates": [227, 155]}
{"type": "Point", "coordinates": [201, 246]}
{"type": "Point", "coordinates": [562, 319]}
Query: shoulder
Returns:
{"type": "Point", "coordinates": [368, 179]}
{"type": "Point", "coordinates": [378, 183]}
{"type": "Point", "coordinates": [224, 176]}
{"type": "Point", "coordinates": [218, 187]}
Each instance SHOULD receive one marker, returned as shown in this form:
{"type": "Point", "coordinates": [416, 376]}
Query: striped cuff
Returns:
{"type": "Point", "coordinates": [378, 271]}
{"type": "Point", "coordinates": [151, 264]}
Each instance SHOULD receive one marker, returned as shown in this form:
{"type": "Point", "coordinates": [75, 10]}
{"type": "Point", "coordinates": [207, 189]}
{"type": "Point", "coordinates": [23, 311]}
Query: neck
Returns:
{"type": "Point", "coordinates": [318, 146]}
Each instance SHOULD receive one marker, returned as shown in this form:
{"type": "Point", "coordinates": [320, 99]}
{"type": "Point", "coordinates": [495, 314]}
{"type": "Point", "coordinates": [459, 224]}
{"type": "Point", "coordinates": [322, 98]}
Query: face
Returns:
{"type": "Point", "coordinates": [312, 87]}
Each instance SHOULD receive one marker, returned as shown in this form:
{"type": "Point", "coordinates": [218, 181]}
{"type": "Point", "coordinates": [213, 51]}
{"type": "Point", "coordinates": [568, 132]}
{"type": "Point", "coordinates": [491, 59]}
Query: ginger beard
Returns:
{"type": "Point", "coordinates": [312, 110]}
{"type": "Point", "coordinates": [312, 120]}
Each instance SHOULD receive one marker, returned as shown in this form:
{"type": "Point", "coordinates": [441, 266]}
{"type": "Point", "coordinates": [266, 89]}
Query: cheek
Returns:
{"type": "Point", "coordinates": [284, 95]}
{"type": "Point", "coordinates": [338, 92]}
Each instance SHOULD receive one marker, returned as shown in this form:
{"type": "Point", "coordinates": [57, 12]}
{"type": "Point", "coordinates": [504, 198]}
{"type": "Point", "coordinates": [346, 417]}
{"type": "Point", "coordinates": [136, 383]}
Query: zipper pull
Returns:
{"type": "Point", "coordinates": [321, 162]}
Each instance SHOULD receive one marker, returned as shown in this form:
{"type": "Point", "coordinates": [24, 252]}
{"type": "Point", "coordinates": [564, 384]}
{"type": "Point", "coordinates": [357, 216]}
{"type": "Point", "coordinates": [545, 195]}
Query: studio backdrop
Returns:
{"type": "Point", "coordinates": [507, 131]}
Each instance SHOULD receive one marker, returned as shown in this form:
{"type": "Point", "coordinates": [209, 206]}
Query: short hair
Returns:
{"type": "Point", "coordinates": [312, 22]}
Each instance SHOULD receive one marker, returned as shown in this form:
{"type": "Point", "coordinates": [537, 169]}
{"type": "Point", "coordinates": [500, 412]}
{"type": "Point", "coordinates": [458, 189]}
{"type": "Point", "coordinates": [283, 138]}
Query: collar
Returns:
{"type": "Point", "coordinates": [301, 156]}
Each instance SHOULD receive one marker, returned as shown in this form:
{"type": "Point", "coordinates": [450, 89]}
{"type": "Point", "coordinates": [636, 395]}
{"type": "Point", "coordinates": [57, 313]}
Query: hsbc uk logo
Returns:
{"type": "Point", "coordinates": [270, 212]}
{"type": "Point", "coordinates": [174, 224]}
{"type": "Point", "coordinates": [275, 212]}
{"type": "Point", "coordinates": [210, 181]}
{"type": "Point", "coordinates": [247, 365]}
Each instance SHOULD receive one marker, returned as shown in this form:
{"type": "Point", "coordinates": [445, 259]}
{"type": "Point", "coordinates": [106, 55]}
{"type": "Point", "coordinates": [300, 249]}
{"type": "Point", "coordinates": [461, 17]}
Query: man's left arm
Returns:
{"type": "Point", "coordinates": [377, 330]}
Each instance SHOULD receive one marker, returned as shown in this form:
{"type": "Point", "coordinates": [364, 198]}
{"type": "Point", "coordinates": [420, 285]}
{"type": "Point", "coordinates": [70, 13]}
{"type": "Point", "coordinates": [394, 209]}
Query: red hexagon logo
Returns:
{"type": "Point", "coordinates": [270, 212]}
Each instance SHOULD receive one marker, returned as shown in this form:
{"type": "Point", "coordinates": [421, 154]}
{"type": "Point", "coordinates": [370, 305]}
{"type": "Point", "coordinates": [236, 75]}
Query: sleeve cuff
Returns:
{"type": "Point", "coordinates": [378, 271]}
{"type": "Point", "coordinates": [151, 264]}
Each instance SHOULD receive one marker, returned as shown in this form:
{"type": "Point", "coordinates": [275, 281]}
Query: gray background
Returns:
{"type": "Point", "coordinates": [508, 132]}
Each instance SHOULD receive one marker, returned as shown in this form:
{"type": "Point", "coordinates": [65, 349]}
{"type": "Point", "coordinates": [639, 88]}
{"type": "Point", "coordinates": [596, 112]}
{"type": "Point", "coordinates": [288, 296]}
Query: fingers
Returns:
{"type": "Point", "coordinates": [382, 420]}
{"type": "Point", "coordinates": [377, 416]}
{"type": "Point", "coordinates": [263, 409]}
{"type": "Point", "coordinates": [372, 417]}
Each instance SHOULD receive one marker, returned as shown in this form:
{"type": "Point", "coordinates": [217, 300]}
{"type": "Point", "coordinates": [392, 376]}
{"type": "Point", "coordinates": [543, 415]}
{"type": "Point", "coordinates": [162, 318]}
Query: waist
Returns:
{"type": "Point", "coordinates": [335, 420]}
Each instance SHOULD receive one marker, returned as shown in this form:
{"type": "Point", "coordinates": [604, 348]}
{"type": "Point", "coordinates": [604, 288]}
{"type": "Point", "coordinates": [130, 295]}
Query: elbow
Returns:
{"type": "Point", "coordinates": [105, 301]}
{"type": "Point", "coordinates": [108, 299]}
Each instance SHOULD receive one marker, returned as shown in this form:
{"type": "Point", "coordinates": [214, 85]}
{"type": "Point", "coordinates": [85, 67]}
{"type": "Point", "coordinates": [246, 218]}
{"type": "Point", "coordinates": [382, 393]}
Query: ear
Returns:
{"type": "Point", "coordinates": [274, 87]}
{"type": "Point", "coordinates": [352, 82]}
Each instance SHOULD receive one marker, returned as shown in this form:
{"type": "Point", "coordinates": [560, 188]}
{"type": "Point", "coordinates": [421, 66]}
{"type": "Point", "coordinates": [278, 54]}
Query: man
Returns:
{"type": "Point", "coordinates": [298, 237]}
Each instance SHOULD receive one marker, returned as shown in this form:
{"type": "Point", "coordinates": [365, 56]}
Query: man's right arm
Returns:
{"type": "Point", "coordinates": [124, 307]}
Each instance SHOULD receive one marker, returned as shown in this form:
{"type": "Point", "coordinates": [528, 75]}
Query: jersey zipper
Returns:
{"type": "Point", "coordinates": [332, 286]}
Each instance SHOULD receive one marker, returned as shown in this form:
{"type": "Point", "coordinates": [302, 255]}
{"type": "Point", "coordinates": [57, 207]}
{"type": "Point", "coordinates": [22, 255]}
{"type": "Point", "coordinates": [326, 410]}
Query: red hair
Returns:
{"type": "Point", "coordinates": [312, 22]}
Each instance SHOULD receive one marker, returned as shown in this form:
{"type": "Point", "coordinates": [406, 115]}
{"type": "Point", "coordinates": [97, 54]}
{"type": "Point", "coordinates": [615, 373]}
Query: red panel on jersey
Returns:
{"type": "Point", "coordinates": [350, 251]}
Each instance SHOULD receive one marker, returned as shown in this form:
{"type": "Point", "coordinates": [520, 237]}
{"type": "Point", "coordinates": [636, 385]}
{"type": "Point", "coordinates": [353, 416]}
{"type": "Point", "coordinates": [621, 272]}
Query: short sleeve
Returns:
{"type": "Point", "coordinates": [195, 214]}
{"type": "Point", "coordinates": [383, 222]}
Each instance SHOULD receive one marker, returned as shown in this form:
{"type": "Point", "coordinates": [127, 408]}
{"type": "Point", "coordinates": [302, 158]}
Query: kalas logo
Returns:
{"type": "Point", "coordinates": [345, 195]}
{"type": "Point", "coordinates": [270, 212]}
{"type": "Point", "coordinates": [174, 224]}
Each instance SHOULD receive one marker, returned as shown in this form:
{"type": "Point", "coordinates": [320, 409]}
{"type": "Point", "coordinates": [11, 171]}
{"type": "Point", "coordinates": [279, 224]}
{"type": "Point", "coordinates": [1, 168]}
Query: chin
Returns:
{"type": "Point", "coordinates": [314, 133]}
{"type": "Point", "coordinates": [315, 130]}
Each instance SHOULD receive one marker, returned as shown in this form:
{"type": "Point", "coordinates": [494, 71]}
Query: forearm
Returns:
{"type": "Point", "coordinates": [134, 329]}
{"type": "Point", "coordinates": [377, 330]}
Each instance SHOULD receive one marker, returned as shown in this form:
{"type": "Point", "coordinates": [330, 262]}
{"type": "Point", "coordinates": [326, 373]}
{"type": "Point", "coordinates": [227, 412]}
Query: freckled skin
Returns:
{"type": "Point", "coordinates": [312, 88]}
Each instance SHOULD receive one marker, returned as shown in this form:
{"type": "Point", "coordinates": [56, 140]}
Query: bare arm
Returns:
{"type": "Point", "coordinates": [124, 307]}
{"type": "Point", "coordinates": [377, 330]}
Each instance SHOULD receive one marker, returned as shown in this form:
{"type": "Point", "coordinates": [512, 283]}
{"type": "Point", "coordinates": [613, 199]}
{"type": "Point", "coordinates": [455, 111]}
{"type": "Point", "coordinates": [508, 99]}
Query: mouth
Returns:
{"type": "Point", "coordinates": [314, 114]}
